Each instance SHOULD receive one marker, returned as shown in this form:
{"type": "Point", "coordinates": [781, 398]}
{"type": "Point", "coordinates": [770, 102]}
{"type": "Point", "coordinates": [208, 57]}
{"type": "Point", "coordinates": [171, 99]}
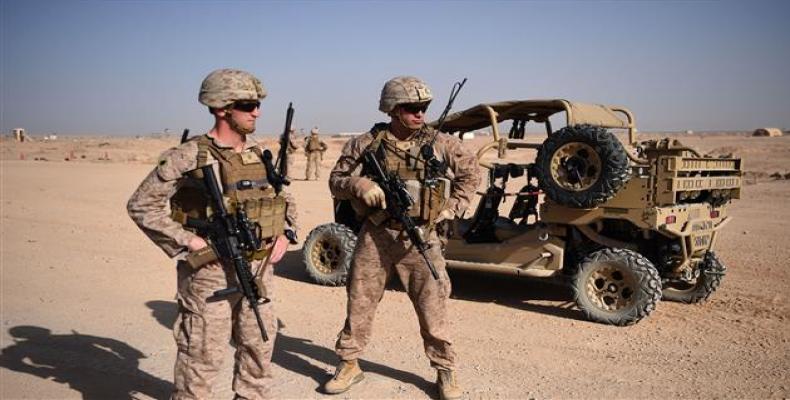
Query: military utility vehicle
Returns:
{"type": "Point", "coordinates": [622, 225]}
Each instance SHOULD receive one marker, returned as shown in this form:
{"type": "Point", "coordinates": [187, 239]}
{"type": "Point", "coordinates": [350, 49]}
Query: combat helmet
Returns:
{"type": "Point", "coordinates": [403, 90]}
{"type": "Point", "coordinates": [224, 86]}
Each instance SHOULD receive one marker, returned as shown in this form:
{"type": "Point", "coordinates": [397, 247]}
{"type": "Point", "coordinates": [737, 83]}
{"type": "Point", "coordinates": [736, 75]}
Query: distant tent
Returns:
{"type": "Point", "coordinates": [467, 135]}
{"type": "Point", "coordinates": [767, 132]}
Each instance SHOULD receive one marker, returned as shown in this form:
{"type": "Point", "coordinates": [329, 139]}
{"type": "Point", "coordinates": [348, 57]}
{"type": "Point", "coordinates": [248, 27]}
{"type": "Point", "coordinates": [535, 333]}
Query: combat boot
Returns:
{"type": "Point", "coordinates": [448, 386]}
{"type": "Point", "coordinates": [346, 375]}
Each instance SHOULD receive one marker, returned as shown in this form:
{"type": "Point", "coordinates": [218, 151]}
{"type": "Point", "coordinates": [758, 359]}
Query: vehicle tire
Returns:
{"type": "Point", "coordinates": [709, 279]}
{"type": "Point", "coordinates": [582, 166]}
{"type": "Point", "coordinates": [616, 286]}
{"type": "Point", "coordinates": [327, 253]}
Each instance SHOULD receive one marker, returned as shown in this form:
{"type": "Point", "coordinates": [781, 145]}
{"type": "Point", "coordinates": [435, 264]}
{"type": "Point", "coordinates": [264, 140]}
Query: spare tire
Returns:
{"type": "Point", "coordinates": [327, 253]}
{"type": "Point", "coordinates": [581, 166]}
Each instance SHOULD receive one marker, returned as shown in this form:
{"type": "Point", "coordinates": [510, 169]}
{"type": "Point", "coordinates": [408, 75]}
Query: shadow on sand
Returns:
{"type": "Point", "coordinates": [517, 292]}
{"type": "Point", "coordinates": [292, 267]}
{"type": "Point", "coordinates": [510, 291]}
{"type": "Point", "coordinates": [290, 353]}
{"type": "Point", "coordinates": [97, 367]}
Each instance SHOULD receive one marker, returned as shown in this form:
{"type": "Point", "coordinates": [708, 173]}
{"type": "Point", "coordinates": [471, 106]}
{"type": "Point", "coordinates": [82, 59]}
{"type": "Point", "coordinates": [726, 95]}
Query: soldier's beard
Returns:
{"type": "Point", "coordinates": [237, 127]}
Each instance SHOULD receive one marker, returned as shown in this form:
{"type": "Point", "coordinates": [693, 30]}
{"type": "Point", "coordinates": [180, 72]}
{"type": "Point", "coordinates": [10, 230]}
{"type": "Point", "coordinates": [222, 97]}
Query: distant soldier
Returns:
{"type": "Point", "coordinates": [314, 148]}
{"type": "Point", "coordinates": [174, 192]}
{"type": "Point", "coordinates": [383, 250]}
{"type": "Point", "coordinates": [19, 135]}
{"type": "Point", "coordinates": [292, 147]}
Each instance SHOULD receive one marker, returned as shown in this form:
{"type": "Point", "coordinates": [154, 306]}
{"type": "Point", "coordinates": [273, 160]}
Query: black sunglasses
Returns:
{"type": "Point", "coordinates": [246, 106]}
{"type": "Point", "coordinates": [414, 108]}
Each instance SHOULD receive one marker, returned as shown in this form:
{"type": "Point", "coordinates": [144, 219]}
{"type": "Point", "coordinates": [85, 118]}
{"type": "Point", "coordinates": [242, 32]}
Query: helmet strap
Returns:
{"type": "Point", "coordinates": [400, 125]}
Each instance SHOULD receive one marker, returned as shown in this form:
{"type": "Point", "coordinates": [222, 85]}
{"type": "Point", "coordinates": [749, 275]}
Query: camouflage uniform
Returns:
{"type": "Point", "coordinates": [314, 148]}
{"type": "Point", "coordinates": [383, 251]}
{"type": "Point", "coordinates": [292, 147]}
{"type": "Point", "coordinates": [204, 328]}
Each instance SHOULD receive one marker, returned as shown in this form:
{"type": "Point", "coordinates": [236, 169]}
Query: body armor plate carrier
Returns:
{"type": "Point", "coordinates": [244, 184]}
{"type": "Point", "coordinates": [404, 159]}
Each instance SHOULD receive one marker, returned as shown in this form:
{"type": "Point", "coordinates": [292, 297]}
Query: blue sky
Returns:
{"type": "Point", "coordinates": [134, 67]}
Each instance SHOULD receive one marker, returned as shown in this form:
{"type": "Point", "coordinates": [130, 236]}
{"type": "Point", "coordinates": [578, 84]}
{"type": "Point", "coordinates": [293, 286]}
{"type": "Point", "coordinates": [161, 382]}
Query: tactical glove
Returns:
{"type": "Point", "coordinates": [374, 197]}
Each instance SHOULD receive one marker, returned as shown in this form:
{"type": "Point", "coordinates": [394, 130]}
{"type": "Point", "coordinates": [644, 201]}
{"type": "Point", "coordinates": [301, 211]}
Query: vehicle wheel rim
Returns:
{"type": "Point", "coordinates": [326, 254]}
{"type": "Point", "coordinates": [576, 166]}
{"type": "Point", "coordinates": [610, 288]}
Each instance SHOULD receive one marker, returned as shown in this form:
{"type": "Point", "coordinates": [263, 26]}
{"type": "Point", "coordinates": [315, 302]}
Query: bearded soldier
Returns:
{"type": "Point", "coordinates": [382, 249]}
{"type": "Point", "coordinates": [314, 148]}
{"type": "Point", "coordinates": [204, 327]}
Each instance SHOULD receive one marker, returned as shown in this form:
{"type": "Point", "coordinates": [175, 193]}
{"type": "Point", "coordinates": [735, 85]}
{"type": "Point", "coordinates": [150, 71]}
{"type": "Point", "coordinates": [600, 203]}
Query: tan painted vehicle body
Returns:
{"type": "Point", "coordinates": [651, 200]}
{"type": "Point", "coordinates": [623, 223]}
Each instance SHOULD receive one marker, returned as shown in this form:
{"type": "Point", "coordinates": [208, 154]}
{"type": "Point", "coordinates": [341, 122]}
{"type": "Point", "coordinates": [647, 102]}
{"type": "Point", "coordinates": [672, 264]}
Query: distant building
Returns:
{"type": "Point", "coordinates": [348, 134]}
{"type": "Point", "coordinates": [767, 132]}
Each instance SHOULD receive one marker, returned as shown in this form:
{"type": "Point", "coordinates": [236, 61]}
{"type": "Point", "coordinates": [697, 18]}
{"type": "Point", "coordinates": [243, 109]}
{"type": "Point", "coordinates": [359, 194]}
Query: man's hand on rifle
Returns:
{"type": "Point", "coordinates": [196, 243]}
{"type": "Point", "coordinates": [374, 197]}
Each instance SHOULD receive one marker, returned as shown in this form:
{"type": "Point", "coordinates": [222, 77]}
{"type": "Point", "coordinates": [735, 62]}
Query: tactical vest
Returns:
{"type": "Point", "coordinates": [314, 144]}
{"type": "Point", "coordinates": [404, 159]}
{"type": "Point", "coordinates": [244, 184]}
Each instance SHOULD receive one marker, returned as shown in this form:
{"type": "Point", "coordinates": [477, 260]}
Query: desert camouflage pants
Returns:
{"type": "Point", "coordinates": [290, 163]}
{"type": "Point", "coordinates": [380, 253]}
{"type": "Point", "coordinates": [204, 329]}
{"type": "Point", "coordinates": [313, 165]}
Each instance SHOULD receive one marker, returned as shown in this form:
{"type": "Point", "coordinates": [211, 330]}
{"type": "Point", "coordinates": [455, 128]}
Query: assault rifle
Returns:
{"type": "Point", "coordinates": [277, 173]}
{"type": "Point", "coordinates": [453, 94]}
{"type": "Point", "coordinates": [399, 201]}
{"type": "Point", "coordinates": [184, 135]}
{"type": "Point", "coordinates": [232, 236]}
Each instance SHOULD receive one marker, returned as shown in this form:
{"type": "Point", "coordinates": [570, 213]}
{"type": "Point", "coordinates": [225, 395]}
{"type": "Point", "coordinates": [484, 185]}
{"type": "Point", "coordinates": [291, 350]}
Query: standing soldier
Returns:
{"type": "Point", "coordinates": [204, 327]}
{"type": "Point", "coordinates": [314, 148]}
{"type": "Point", "coordinates": [292, 147]}
{"type": "Point", "coordinates": [383, 249]}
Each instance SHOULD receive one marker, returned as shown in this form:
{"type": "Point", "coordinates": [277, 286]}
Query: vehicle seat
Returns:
{"type": "Point", "coordinates": [504, 228]}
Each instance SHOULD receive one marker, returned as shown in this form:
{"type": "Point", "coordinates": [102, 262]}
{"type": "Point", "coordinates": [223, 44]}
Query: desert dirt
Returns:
{"type": "Point", "coordinates": [88, 304]}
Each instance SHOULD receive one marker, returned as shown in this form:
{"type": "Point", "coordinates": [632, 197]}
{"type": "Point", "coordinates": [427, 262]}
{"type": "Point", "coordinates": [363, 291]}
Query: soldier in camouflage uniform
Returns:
{"type": "Point", "coordinates": [383, 250]}
{"type": "Point", "coordinates": [314, 148]}
{"type": "Point", "coordinates": [292, 147]}
{"type": "Point", "coordinates": [204, 328]}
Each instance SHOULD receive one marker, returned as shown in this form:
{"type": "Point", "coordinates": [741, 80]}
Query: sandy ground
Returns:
{"type": "Point", "coordinates": [88, 302]}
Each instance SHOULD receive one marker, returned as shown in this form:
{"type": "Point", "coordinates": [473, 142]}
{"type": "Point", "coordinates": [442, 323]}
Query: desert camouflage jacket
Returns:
{"type": "Point", "coordinates": [314, 144]}
{"type": "Point", "coordinates": [149, 206]}
{"type": "Point", "coordinates": [346, 183]}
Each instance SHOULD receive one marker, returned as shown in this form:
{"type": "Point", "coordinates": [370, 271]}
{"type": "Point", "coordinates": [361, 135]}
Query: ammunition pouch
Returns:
{"type": "Point", "coordinates": [269, 213]}
{"type": "Point", "coordinates": [199, 258]}
{"type": "Point", "coordinates": [429, 199]}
